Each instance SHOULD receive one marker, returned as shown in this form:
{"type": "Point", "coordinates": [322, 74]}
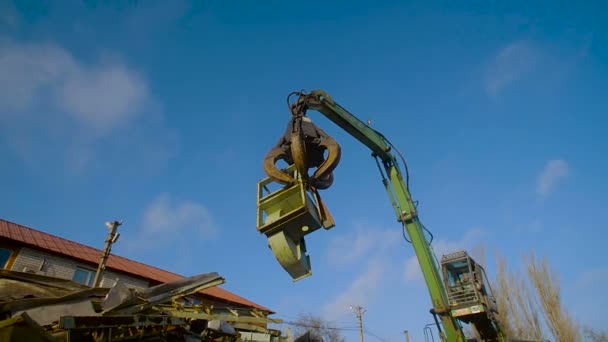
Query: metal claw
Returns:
{"type": "Point", "coordinates": [287, 215]}
{"type": "Point", "coordinates": [323, 176]}
{"type": "Point", "coordinates": [275, 154]}
{"type": "Point", "coordinates": [303, 145]}
{"type": "Point", "coordinates": [298, 148]}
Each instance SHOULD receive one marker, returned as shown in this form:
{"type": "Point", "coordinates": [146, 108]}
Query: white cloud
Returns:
{"type": "Point", "coordinates": [102, 97]}
{"type": "Point", "coordinates": [553, 172]}
{"type": "Point", "coordinates": [510, 64]}
{"type": "Point", "coordinates": [44, 75]}
{"type": "Point", "coordinates": [169, 224]}
{"type": "Point", "coordinates": [361, 245]}
{"type": "Point", "coordinates": [412, 268]}
{"type": "Point", "coordinates": [470, 239]}
{"type": "Point", "coordinates": [360, 292]}
{"type": "Point", "coordinates": [166, 219]}
{"type": "Point", "coordinates": [359, 242]}
{"type": "Point", "coordinates": [59, 111]}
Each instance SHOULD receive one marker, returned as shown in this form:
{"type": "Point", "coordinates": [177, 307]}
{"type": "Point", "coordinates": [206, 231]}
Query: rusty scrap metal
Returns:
{"type": "Point", "coordinates": [199, 313]}
{"type": "Point", "coordinates": [135, 301]}
{"type": "Point", "coordinates": [47, 314]}
{"type": "Point", "coordinates": [138, 321]}
{"type": "Point", "coordinates": [19, 285]}
{"type": "Point", "coordinates": [22, 328]}
{"type": "Point", "coordinates": [65, 311]}
{"type": "Point", "coordinates": [15, 307]}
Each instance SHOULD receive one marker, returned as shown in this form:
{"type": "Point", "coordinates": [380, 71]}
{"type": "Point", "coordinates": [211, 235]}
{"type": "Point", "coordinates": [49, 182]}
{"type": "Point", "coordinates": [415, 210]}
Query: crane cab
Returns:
{"type": "Point", "coordinates": [468, 289]}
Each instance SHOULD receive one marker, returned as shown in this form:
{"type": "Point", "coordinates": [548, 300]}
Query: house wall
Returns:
{"type": "Point", "coordinates": [55, 266]}
{"type": "Point", "coordinates": [110, 278]}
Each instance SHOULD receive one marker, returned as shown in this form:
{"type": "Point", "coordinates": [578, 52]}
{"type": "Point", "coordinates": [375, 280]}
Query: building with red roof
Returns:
{"type": "Point", "coordinates": [29, 250]}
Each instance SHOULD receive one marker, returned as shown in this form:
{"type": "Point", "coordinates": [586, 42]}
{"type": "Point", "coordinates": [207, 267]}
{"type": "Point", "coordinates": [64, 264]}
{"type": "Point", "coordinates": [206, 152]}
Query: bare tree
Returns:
{"type": "Point", "coordinates": [317, 328]}
{"type": "Point", "coordinates": [596, 336]}
{"type": "Point", "coordinates": [545, 282]}
{"type": "Point", "coordinates": [529, 302]}
{"type": "Point", "coordinates": [516, 306]}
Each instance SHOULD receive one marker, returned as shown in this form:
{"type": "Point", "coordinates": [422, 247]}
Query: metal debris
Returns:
{"type": "Point", "coordinates": [22, 328]}
{"type": "Point", "coordinates": [134, 301]}
{"type": "Point", "coordinates": [46, 309]}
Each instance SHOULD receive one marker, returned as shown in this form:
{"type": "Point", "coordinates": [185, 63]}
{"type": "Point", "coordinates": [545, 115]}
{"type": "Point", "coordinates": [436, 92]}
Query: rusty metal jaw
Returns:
{"type": "Point", "coordinates": [274, 155]}
{"type": "Point", "coordinates": [286, 216]}
{"type": "Point", "coordinates": [302, 150]}
{"type": "Point", "coordinates": [323, 176]}
{"type": "Point", "coordinates": [298, 149]}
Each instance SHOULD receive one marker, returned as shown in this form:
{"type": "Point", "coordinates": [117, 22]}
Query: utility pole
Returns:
{"type": "Point", "coordinates": [359, 311]}
{"type": "Point", "coordinates": [407, 336]}
{"type": "Point", "coordinates": [111, 239]}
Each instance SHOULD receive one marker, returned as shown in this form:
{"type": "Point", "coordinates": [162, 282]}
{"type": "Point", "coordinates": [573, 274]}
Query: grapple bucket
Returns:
{"type": "Point", "coordinates": [285, 216]}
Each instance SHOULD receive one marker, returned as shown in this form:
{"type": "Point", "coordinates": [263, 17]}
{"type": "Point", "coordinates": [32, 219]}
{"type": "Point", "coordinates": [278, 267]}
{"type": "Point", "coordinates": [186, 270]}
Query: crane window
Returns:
{"type": "Point", "coordinates": [458, 273]}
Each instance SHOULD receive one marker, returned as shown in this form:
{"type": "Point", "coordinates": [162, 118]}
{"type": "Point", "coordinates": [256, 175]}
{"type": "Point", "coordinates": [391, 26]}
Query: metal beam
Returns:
{"type": "Point", "coordinates": [99, 322]}
{"type": "Point", "coordinates": [191, 313]}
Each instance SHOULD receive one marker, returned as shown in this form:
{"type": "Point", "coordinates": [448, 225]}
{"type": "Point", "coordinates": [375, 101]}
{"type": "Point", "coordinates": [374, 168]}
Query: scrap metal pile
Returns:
{"type": "Point", "coordinates": [40, 308]}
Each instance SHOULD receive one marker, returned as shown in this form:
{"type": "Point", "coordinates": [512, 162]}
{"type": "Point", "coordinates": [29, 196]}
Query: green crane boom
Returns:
{"type": "Point", "coordinates": [296, 210]}
{"type": "Point", "coordinates": [399, 194]}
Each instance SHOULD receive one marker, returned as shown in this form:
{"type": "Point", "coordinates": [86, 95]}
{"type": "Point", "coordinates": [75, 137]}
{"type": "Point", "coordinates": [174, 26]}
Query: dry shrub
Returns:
{"type": "Point", "coordinates": [516, 305]}
{"type": "Point", "coordinates": [545, 282]}
{"type": "Point", "coordinates": [596, 336]}
{"type": "Point", "coordinates": [523, 299]}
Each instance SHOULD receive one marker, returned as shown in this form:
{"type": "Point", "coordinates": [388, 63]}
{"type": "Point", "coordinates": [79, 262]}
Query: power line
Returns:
{"type": "Point", "coordinates": [374, 335]}
{"type": "Point", "coordinates": [301, 318]}
{"type": "Point", "coordinates": [359, 311]}
{"type": "Point", "coordinates": [299, 324]}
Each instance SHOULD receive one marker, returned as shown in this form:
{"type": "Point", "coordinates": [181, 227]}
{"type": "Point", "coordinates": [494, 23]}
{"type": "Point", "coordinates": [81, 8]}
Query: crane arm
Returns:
{"type": "Point", "coordinates": [322, 102]}
{"type": "Point", "coordinates": [400, 196]}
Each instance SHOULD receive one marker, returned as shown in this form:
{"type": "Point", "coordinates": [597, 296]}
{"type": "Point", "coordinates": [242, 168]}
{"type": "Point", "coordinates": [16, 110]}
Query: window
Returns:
{"type": "Point", "coordinates": [5, 255]}
{"type": "Point", "coordinates": [458, 272]}
{"type": "Point", "coordinates": [84, 276]}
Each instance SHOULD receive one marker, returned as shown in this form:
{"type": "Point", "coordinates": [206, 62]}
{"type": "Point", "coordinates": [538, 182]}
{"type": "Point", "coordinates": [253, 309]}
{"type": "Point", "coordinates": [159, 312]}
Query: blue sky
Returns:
{"type": "Point", "coordinates": [160, 114]}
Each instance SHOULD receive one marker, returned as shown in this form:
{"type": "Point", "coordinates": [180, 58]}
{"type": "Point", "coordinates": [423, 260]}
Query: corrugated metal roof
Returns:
{"type": "Point", "coordinates": [86, 253]}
